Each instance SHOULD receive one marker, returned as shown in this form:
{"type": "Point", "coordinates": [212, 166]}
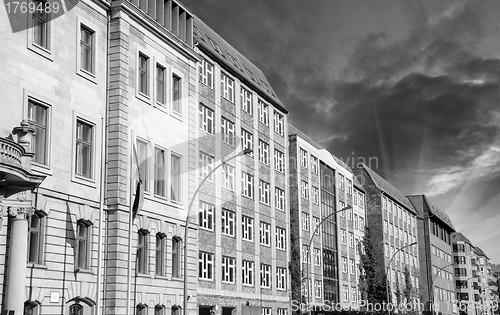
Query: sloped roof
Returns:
{"type": "Point", "coordinates": [213, 43]}
{"type": "Point", "coordinates": [357, 184]}
{"type": "Point", "coordinates": [388, 189]}
{"type": "Point", "coordinates": [342, 163]}
{"type": "Point", "coordinates": [457, 236]}
{"type": "Point", "coordinates": [480, 252]}
{"type": "Point", "coordinates": [433, 209]}
{"type": "Point", "coordinates": [292, 130]}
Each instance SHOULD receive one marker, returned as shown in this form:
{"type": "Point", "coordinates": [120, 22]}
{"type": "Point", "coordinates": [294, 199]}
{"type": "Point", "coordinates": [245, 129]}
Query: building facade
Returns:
{"type": "Point", "coordinates": [243, 219]}
{"type": "Point", "coordinates": [466, 277]}
{"type": "Point", "coordinates": [437, 280]}
{"type": "Point", "coordinates": [392, 221]}
{"type": "Point", "coordinates": [488, 286]}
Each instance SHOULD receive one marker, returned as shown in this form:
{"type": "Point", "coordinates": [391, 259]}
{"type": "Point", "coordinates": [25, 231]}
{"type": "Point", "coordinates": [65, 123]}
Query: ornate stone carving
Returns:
{"type": "Point", "coordinates": [15, 211]}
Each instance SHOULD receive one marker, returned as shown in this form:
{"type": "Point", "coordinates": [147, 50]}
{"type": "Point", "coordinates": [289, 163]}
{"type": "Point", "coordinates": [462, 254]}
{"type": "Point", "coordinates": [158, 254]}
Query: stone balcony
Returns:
{"type": "Point", "coordinates": [10, 153]}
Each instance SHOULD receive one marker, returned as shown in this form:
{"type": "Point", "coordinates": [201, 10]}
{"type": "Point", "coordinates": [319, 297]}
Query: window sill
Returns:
{"type": "Point", "coordinates": [44, 52]}
{"type": "Point", "coordinates": [41, 168]}
{"type": "Point", "coordinates": [143, 275]}
{"type": "Point", "coordinates": [143, 97]}
{"type": "Point", "coordinates": [84, 181]}
{"type": "Point", "coordinates": [177, 279]}
{"type": "Point", "coordinates": [87, 75]}
{"type": "Point", "coordinates": [36, 266]}
{"type": "Point", "coordinates": [207, 280]}
{"type": "Point", "coordinates": [84, 271]}
{"type": "Point", "coordinates": [161, 107]}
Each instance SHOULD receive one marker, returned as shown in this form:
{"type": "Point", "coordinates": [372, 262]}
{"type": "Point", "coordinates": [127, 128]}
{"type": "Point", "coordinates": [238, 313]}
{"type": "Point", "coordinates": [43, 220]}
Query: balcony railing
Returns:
{"type": "Point", "coordinates": [10, 152]}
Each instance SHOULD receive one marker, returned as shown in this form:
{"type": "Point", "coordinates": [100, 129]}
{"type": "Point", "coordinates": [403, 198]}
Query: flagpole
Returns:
{"type": "Point", "coordinates": [130, 223]}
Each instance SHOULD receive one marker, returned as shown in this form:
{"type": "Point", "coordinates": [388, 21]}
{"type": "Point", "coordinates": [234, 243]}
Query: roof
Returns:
{"type": "Point", "coordinates": [457, 236]}
{"type": "Point", "coordinates": [292, 130]}
{"type": "Point", "coordinates": [342, 163]}
{"type": "Point", "coordinates": [225, 54]}
{"type": "Point", "coordinates": [433, 209]}
{"type": "Point", "coordinates": [388, 189]}
{"type": "Point", "coordinates": [357, 184]}
{"type": "Point", "coordinates": [480, 252]}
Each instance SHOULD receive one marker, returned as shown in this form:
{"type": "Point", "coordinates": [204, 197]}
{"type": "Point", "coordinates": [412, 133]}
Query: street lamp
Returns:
{"type": "Point", "coordinates": [309, 248]}
{"type": "Point", "coordinates": [431, 307]}
{"type": "Point", "coordinates": [389, 265]}
{"type": "Point", "coordinates": [223, 162]}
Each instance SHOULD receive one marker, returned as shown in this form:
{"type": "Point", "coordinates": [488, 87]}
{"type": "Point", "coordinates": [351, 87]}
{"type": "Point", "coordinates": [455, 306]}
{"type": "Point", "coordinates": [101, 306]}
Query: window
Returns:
{"type": "Point", "coordinates": [279, 161]}
{"type": "Point", "coordinates": [355, 197]}
{"type": "Point", "coordinates": [143, 74]}
{"type": "Point", "coordinates": [303, 158]}
{"type": "Point", "coordinates": [228, 176]}
{"type": "Point", "coordinates": [345, 291]}
{"type": "Point", "coordinates": [142, 251]}
{"type": "Point", "coordinates": [459, 260]}
{"type": "Point", "coordinates": [349, 187]}
{"type": "Point", "coordinates": [227, 87]}
{"type": "Point", "coordinates": [305, 221]}
{"type": "Point", "coordinates": [160, 173]}
{"type": "Point", "coordinates": [361, 224]}
{"type": "Point", "coordinates": [247, 228]}
{"type": "Point", "coordinates": [280, 238]}
{"type": "Point", "coordinates": [279, 198]}
{"type": "Point", "coordinates": [385, 227]}
{"type": "Point", "coordinates": [247, 185]}
{"type": "Point", "coordinates": [354, 294]}
{"type": "Point", "coordinates": [304, 189]}
{"type": "Point", "coordinates": [206, 215]}
{"type": "Point", "coordinates": [279, 123]}
{"type": "Point", "coordinates": [247, 272]}
{"type": "Point", "coordinates": [351, 240]}
{"type": "Point", "coordinates": [41, 25]}
{"type": "Point", "coordinates": [315, 195]}
{"type": "Point", "coordinates": [84, 149]}
{"type": "Point", "coordinates": [317, 257]}
{"type": "Point", "coordinates": [176, 256]}
{"type": "Point", "coordinates": [266, 311]}
{"type": "Point", "coordinates": [206, 166]}
{"type": "Point", "coordinates": [316, 223]}
{"type": "Point", "coordinates": [246, 101]}
{"type": "Point", "coordinates": [263, 152]}
{"type": "Point", "coordinates": [143, 160]}
{"type": "Point", "coordinates": [31, 308]}
{"type": "Point", "coordinates": [353, 266]}
{"type": "Point", "coordinates": [263, 113]}
{"type": "Point", "coordinates": [35, 238]}
{"type": "Point", "coordinates": [318, 288]}
{"type": "Point", "coordinates": [314, 164]}
{"type": "Point", "coordinates": [460, 272]}
{"type": "Point", "coordinates": [37, 117]}
{"type": "Point", "coordinates": [342, 206]}
{"type": "Point", "coordinates": [349, 212]}
{"type": "Point", "coordinates": [247, 140]}
{"type": "Point", "coordinates": [176, 94]}
{"type": "Point", "coordinates": [228, 222]}
{"type": "Point", "coordinates": [206, 119]}
{"type": "Point", "coordinates": [207, 73]}
{"type": "Point", "coordinates": [160, 310]}
{"type": "Point", "coordinates": [344, 264]}
{"type": "Point", "coordinates": [205, 266]}
{"type": "Point", "coordinates": [356, 221]}
{"type": "Point", "coordinates": [281, 311]}
{"type": "Point", "coordinates": [305, 253]}
{"type": "Point", "coordinates": [280, 278]}
{"type": "Point", "coordinates": [87, 49]}
{"type": "Point", "coordinates": [83, 233]}
{"type": "Point", "coordinates": [227, 130]}
{"type": "Point", "coordinates": [361, 200]}
{"type": "Point", "coordinates": [265, 233]}
{"type": "Point", "coordinates": [228, 269]}
{"type": "Point", "coordinates": [264, 192]}
{"type": "Point", "coordinates": [175, 187]}
{"type": "Point", "coordinates": [265, 276]}
{"type": "Point", "coordinates": [344, 237]}
{"type": "Point", "coordinates": [160, 254]}
{"type": "Point", "coordinates": [341, 179]}
{"type": "Point", "coordinates": [386, 250]}
{"type": "Point", "coordinates": [76, 309]}
{"type": "Point", "coordinates": [160, 84]}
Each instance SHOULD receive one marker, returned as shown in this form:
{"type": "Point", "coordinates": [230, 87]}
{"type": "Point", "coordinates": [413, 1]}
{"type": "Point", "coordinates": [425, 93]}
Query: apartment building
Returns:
{"type": "Point", "coordinates": [393, 228]}
{"type": "Point", "coordinates": [50, 160]}
{"type": "Point", "coordinates": [437, 281]}
{"type": "Point", "coordinates": [488, 289]}
{"type": "Point", "coordinates": [321, 185]}
{"type": "Point", "coordinates": [243, 219]}
{"type": "Point", "coordinates": [466, 276]}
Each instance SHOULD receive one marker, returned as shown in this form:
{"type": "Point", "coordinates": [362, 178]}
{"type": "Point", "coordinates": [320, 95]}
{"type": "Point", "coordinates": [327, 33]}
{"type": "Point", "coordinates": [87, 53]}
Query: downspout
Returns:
{"type": "Point", "coordinates": [100, 279]}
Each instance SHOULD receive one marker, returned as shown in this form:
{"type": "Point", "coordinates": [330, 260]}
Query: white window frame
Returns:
{"type": "Point", "coordinates": [279, 198]}
{"type": "Point", "coordinates": [246, 101]}
{"type": "Point", "coordinates": [315, 195]}
{"type": "Point", "coordinates": [279, 127]}
{"type": "Point", "coordinates": [247, 187]}
{"type": "Point", "coordinates": [263, 112]}
{"type": "Point", "coordinates": [314, 164]}
{"type": "Point", "coordinates": [206, 119]}
{"type": "Point", "coordinates": [206, 215]}
{"type": "Point", "coordinates": [317, 256]}
{"type": "Point", "coordinates": [316, 222]}
{"type": "Point", "coordinates": [228, 176]}
{"type": "Point", "coordinates": [206, 166]}
{"type": "Point", "coordinates": [303, 158]}
{"type": "Point", "coordinates": [206, 266]}
{"type": "Point", "coordinates": [228, 265]}
{"type": "Point", "coordinates": [263, 152]}
{"type": "Point", "coordinates": [280, 238]}
{"type": "Point", "coordinates": [281, 278]}
{"type": "Point", "coordinates": [247, 140]}
{"type": "Point", "coordinates": [279, 161]}
{"type": "Point", "coordinates": [228, 222]}
{"type": "Point", "coordinates": [265, 233]}
{"type": "Point", "coordinates": [227, 130]}
{"type": "Point", "coordinates": [318, 288]}
{"type": "Point", "coordinates": [264, 193]}
{"type": "Point", "coordinates": [305, 221]}
{"type": "Point", "coordinates": [304, 189]}
{"type": "Point", "coordinates": [227, 87]}
{"type": "Point", "coordinates": [247, 228]}
{"type": "Point", "coordinates": [265, 276]}
{"type": "Point", "coordinates": [207, 73]}
{"type": "Point", "coordinates": [248, 272]}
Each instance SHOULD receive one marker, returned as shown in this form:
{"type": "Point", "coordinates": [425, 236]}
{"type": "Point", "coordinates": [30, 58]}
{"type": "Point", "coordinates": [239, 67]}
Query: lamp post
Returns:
{"type": "Point", "coordinates": [309, 247]}
{"type": "Point", "coordinates": [387, 272]}
{"type": "Point", "coordinates": [432, 285]}
{"type": "Point", "coordinates": [223, 162]}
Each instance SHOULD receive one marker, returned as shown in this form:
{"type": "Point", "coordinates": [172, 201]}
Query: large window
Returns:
{"type": "Point", "coordinates": [265, 276]}
{"type": "Point", "coordinates": [265, 233]}
{"type": "Point", "coordinates": [206, 119]}
{"type": "Point", "coordinates": [35, 239]}
{"type": "Point", "coordinates": [206, 166]}
{"type": "Point", "coordinates": [227, 87]}
{"type": "Point", "coordinates": [228, 269]}
{"type": "Point", "coordinates": [160, 172]}
{"type": "Point", "coordinates": [246, 101]}
{"type": "Point", "coordinates": [247, 228]}
{"type": "Point", "coordinates": [315, 195]}
{"type": "Point", "coordinates": [41, 25]}
{"type": "Point", "coordinates": [160, 254]}
{"type": "Point", "coordinates": [304, 189]}
{"type": "Point", "coordinates": [206, 215]}
{"type": "Point", "coordinates": [279, 123]}
{"type": "Point", "coordinates": [207, 73]}
{"type": "Point", "coordinates": [303, 158]}
{"type": "Point", "coordinates": [247, 140]}
{"type": "Point", "coordinates": [247, 272]}
{"type": "Point", "coordinates": [37, 117]}
{"type": "Point", "coordinates": [143, 74]}
{"type": "Point", "coordinates": [281, 278]}
{"type": "Point", "coordinates": [83, 233]}
{"type": "Point", "coordinates": [84, 149]}
{"type": "Point", "coordinates": [263, 152]}
{"type": "Point", "coordinates": [143, 160]}
{"type": "Point", "coordinates": [206, 265]}
{"type": "Point", "coordinates": [228, 176]}
{"type": "Point", "coordinates": [160, 84]}
{"type": "Point", "coordinates": [280, 238]}
{"type": "Point", "coordinates": [314, 164]}
{"type": "Point", "coordinates": [247, 185]}
{"type": "Point", "coordinates": [175, 177]}
{"type": "Point", "coordinates": [263, 113]}
{"type": "Point", "coordinates": [176, 257]}
{"type": "Point", "coordinates": [264, 192]}
{"type": "Point", "coordinates": [228, 227]}
{"type": "Point", "coordinates": [317, 256]}
{"type": "Point", "coordinates": [142, 251]}
{"type": "Point", "coordinates": [305, 221]}
{"type": "Point", "coordinates": [87, 49]}
{"type": "Point", "coordinates": [279, 199]}
{"type": "Point", "coordinates": [279, 161]}
{"type": "Point", "coordinates": [227, 130]}
{"type": "Point", "coordinates": [176, 94]}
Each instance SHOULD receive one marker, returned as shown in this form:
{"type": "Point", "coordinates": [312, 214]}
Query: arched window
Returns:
{"type": "Point", "coordinates": [176, 309]}
{"type": "Point", "coordinates": [31, 308]}
{"type": "Point", "coordinates": [35, 237]}
{"type": "Point", "coordinates": [160, 254]}
{"type": "Point", "coordinates": [76, 309]}
{"type": "Point", "coordinates": [142, 251]}
{"type": "Point", "coordinates": [176, 256]}
{"type": "Point", "coordinates": [83, 233]}
{"type": "Point", "coordinates": [141, 309]}
{"type": "Point", "coordinates": [159, 309]}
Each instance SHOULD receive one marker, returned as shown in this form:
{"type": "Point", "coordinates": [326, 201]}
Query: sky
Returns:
{"type": "Point", "coordinates": [411, 86]}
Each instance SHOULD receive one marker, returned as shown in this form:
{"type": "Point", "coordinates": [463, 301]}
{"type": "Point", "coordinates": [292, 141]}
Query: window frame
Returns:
{"type": "Point", "coordinates": [92, 34]}
{"type": "Point", "coordinates": [160, 251]}
{"type": "Point", "coordinates": [227, 87]}
{"type": "Point", "coordinates": [228, 222]}
{"type": "Point", "coordinates": [160, 170]}
{"type": "Point", "coordinates": [176, 178]}
{"type": "Point", "coordinates": [265, 233]}
{"type": "Point", "coordinates": [247, 228]}
{"type": "Point", "coordinates": [206, 261]}
{"type": "Point", "coordinates": [246, 100]}
{"type": "Point", "coordinates": [206, 215]}
{"type": "Point", "coordinates": [228, 131]}
{"type": "Point", "coordinates": [279, 123]}
{"type": "Point", "coordinates": [228, 269]}
{"type": "Point", "coordinates": [142, 252]}
{"type": "Point", "coordinates": [206, 75]}
{"type": "Point", "coordinates": [263, 152]}
{"type": "Point", "coordinates": [92, 149]}
{"type": "Point", "coordinates": [263, 110]}
{"type": "Point", "coordinates": [39, 244]}
{"type": "Point", "coordinates": [37, 125]}
{"type": "Point", "coordinates": [207, 122]}
{"type": "Point", "coordinates": [248, 273]}
{"type": "Point", "coordinates": [264, 192]}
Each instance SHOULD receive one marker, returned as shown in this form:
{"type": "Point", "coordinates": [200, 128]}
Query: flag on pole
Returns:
{"type": "Point", "coordinates": [139, 187]}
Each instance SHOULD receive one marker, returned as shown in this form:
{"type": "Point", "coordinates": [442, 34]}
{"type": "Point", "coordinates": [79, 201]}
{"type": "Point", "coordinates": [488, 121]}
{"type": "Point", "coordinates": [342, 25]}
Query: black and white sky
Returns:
{"type": "Point", "coordinates": [414, 84]}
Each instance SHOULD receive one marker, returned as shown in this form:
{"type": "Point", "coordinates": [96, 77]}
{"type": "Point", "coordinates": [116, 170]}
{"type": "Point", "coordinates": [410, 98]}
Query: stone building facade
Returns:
{"type": "Point", "coordinates": [437, 280]}
{"type": "Point", "coordinates": [242, 208]}
{"type": "Point", "coordinates": [466, 275]}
